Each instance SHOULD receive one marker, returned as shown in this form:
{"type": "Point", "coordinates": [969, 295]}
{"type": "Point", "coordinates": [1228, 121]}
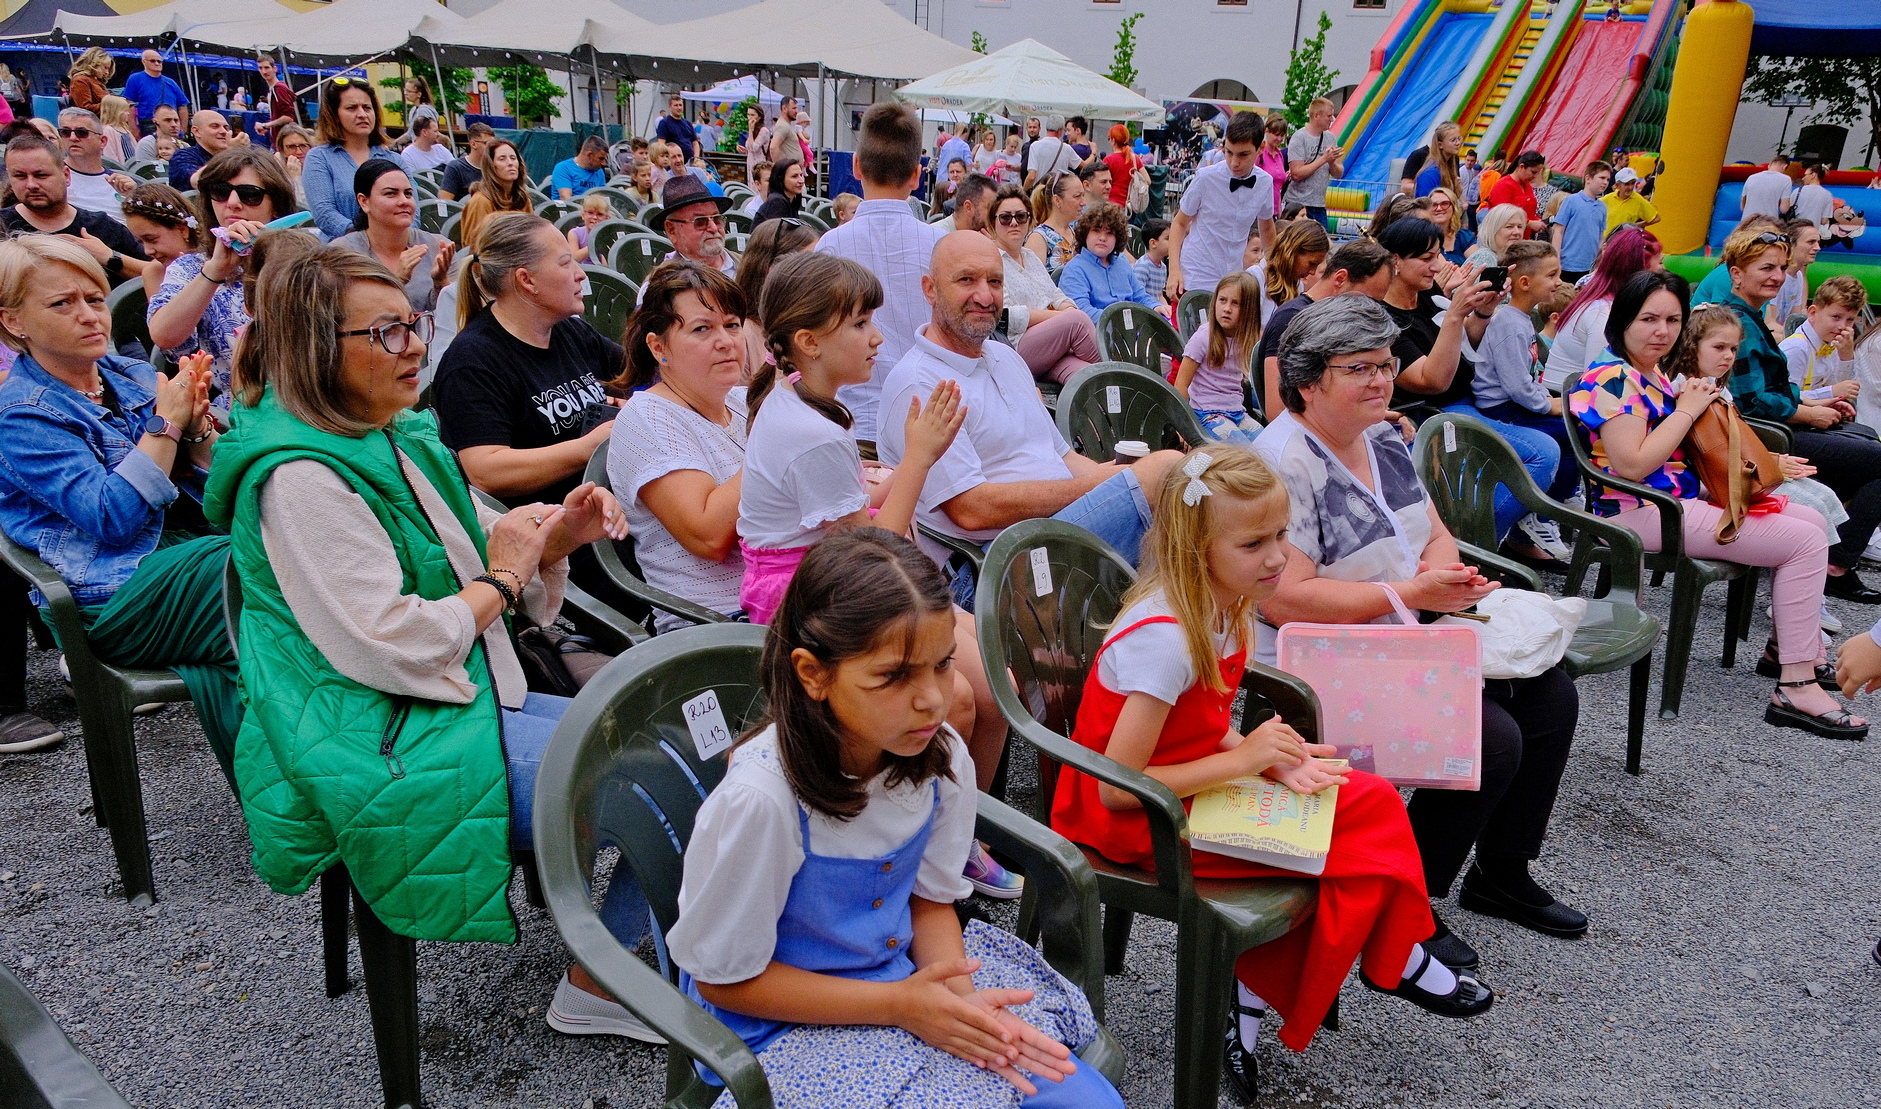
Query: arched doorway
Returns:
{"type": "Point", "coordinates": [1225, 88]}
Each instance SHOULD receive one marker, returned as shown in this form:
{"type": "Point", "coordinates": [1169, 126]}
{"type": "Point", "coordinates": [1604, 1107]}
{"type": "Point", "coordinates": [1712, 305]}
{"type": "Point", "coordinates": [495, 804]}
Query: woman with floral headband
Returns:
{"type": "Point", "coordinates": [165, 225]}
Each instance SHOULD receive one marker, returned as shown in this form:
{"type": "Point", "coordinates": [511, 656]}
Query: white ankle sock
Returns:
{"type": "Point", "coordinates": [1437, 978]}
{"type": "Point", "coordinates": [1250, 1026]}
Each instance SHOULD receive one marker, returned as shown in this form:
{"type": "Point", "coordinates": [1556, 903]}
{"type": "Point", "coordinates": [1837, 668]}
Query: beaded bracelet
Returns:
{"type": "Point", "coordinates": [509, 595]}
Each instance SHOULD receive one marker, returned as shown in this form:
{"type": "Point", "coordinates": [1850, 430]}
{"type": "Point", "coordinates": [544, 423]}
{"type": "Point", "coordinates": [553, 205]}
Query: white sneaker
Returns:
{"type": "Point", "coordinates": [1874, 548]}
{"type": "Point", "coordinates": [577, 1012]}
{"type": "Point", "coordinates": [1546, 535]}
{"type": "Point", "coordinates": [1831, 625]}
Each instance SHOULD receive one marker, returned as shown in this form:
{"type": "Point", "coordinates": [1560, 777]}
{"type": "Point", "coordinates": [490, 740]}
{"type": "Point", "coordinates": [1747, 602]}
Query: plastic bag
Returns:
{"type": "Point", "coordinates": [1527, 632]}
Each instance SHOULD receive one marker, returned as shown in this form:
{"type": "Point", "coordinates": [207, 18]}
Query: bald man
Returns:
{"type": "Point", "coordinates": [210, 130]}
{"type": "Point", "coordinates": [1008, 463]}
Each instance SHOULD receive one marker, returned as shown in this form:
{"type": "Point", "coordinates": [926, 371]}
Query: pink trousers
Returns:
{"type": "Point", "coordinates": [1794, 542]}
{"type": "Point", "coordinates": [1060, 347]}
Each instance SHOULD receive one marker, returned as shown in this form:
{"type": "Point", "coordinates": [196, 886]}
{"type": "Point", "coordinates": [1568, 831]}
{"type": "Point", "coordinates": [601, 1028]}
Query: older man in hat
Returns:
{"type": "Point", "coordinates": [695, 223]}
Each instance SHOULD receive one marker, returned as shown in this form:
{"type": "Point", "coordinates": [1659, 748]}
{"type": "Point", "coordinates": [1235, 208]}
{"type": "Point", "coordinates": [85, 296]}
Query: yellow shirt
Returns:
{"type": "Point", "coordinates": [1634, 209]}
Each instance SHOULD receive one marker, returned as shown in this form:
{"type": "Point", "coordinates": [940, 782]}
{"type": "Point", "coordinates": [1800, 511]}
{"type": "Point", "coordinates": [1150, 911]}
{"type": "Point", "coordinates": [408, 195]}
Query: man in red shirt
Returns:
{"type": "Point", "coordinates": [281, 109]}
{"type": "Point", "coordinates": [1517, 187]}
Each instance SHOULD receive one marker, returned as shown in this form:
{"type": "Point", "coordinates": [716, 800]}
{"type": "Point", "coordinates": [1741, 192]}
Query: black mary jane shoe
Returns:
{"type": "Point", "coordinates": [1469, 998]}
{"type": "Point", "coordinates": [1480, 895]}
{"type": "Point", "coordinates": [1833, 724]}
{"type": "Point", "coordinates": [1850, 587]}
{"type": "Point", "coordinates": [1237, 1062]}
{"type": "Point", "coordinates": [1769, 667]}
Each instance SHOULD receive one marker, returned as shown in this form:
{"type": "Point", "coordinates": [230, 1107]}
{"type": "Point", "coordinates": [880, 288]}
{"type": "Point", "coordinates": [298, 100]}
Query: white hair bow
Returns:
{"type": "Point", "coordinates": [1193, 469]}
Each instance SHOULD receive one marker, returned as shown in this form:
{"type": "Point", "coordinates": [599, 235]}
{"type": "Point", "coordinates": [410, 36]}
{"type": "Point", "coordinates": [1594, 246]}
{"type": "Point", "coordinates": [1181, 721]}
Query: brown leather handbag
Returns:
{"type": "Point", "coordinates": [1734, 466]}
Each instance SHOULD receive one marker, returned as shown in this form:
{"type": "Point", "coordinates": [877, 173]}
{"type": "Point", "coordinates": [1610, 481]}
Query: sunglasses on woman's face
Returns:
{"type": "Point", "coordinates": [1014, 219]}
{"type": "Point", "coordinates": [251, 195]}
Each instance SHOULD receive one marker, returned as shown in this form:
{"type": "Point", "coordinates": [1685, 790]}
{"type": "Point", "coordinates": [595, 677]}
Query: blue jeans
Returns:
{"type": "Point", "coordinates": [1566, 476]}
{"type": "Point", "coordinates": [1229, 427]}
{"type": "Point", "coordinates": [526, 735]}
{"type": "Point", "coordinates": [1117, 512]}
{"type": "Point", "coordinates": [1540, 455]}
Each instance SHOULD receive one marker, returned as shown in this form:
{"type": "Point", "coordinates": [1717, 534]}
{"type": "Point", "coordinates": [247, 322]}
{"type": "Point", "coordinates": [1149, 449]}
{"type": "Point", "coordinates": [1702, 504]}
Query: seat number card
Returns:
{"type": "Point", "coordinates": [1113, 399]}
{"type": "Point", "coordinates": [706, 721]}
{"type": "Point", "coordinates": [1041, 572]}
{"type": "Point", "coordinates": [1449, 438]}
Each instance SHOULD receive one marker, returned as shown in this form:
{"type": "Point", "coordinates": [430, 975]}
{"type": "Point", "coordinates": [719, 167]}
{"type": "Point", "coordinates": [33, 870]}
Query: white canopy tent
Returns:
{"type": "Point", "coordinates": [822, 38]}
{"type": "Point", "coordinates": [353, 31]}
{"type": "Point", "coordinates": [1029, 78]}
{"type": "Point", "coordinates": [736, 90]}
{"type": "Point", "coordinates": [948, 115]}
{"type": "Point", "coordinates": [184, 19]}
{"type": "Point", "coordinates": [527, 29]}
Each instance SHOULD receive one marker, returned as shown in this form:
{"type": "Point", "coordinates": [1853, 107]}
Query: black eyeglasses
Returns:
{"type": "Point", "coordinates": [80, 133]}
{"type": "Point", "coordinates": [251, 195]}
{"type": "Point", "coordinates": [395, 338]}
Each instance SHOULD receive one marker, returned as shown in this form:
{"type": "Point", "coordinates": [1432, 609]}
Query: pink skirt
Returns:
{"type": "Point", "coordinates": [768, 571]}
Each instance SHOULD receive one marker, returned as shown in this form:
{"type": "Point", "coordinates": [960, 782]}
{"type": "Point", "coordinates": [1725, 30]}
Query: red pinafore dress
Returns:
{"type": "Point", "coordinates": [1372, 901]}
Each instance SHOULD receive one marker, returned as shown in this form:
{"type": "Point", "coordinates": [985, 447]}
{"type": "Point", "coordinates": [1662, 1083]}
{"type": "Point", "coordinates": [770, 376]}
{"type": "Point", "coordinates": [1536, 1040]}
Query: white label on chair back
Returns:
{"type": "Point", "coordinates": [1129, 318]}
{"type": "Point", "coordinates": [1449, 438]}
{"type": "Point", "coordinates": [441, 207]}
{"type": "Point", "coordinates": [1113, 399]}
{"type": "Point", "coordinates": [706, 721]}
{"type": "Point", "coordinates": [1041, 572]}
{"type": "Point", "coordinates": [646, 247]}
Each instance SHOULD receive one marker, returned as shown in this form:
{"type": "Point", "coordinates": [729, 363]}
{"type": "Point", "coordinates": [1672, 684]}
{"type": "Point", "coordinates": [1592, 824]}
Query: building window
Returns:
{"type": "Point", "coordinates": [1231, 3]}
{"type": "Point", "coordinates": [1369, 5]}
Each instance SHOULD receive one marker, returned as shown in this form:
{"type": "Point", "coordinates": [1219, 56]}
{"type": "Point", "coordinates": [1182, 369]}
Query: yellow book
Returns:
{"type": "Point", "coordinates": [1265, 822]}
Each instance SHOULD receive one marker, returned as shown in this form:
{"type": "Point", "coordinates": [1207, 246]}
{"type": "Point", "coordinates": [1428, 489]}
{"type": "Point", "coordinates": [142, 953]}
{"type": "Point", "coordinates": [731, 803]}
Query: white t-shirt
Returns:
{"type": "Point", "coordinates": [416, 159]}
{"type": "Point", "coordinates": [1815, 203]}
{"type": "Point", "coordinates": [657, 437]}
{"type": "Point", "coordinates": [1049, 156]}
{"type": "Point", "coordinates": [1008, 434]}
{"type": "Point", "coordinates": [1765, 193]}
{"type": "Point", "coordinates": [93, 191]}
{"type": "Point", "coordinates": [892, 244]}
{"type": "Point", "coordinates": [1222, 219]}
{"type": "Point", "coordinates": [747, 847]}
{"type": "Point", "coordinates": [1153, 659]}
{"type": "Point", "coordinates": [1791, 298]}
{"type": "Point", "coordinates": [802, 471]}
{"type": "Point", "coordinates": [1811, 370]}
{"type": "Point", "coordinates": [1577, 344]}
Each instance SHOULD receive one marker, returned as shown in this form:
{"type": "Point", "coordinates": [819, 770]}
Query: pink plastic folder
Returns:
{"type": "Point", "coordinates": [1403, 701]}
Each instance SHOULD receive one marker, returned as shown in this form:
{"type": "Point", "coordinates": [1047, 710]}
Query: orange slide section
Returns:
{"type": "Point", "coordinates": [1568, 129]}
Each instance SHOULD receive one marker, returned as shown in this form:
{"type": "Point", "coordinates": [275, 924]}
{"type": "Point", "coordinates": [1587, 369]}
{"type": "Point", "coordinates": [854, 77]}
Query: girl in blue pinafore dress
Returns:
{"type": "Point", "coordinates": [816, 914]}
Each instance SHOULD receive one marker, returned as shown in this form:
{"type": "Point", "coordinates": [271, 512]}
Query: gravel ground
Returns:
{"type": "Point", "coordinates": [1727, 965]}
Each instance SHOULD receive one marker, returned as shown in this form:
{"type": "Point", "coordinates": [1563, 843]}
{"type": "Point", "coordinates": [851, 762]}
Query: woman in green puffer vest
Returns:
{"type": "Point", "coordinates": [389, 726]}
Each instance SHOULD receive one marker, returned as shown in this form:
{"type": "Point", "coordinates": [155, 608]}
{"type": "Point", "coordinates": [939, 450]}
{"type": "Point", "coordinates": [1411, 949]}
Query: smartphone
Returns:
{"type": "Point", "coordinates": [1497, 276]}
{"type": "Point", "coordinates": [594, 415]}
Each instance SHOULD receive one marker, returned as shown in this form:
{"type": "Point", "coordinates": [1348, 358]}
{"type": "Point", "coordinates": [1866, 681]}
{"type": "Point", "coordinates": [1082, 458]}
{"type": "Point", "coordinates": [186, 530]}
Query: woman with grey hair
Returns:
{"type": "Point", "coordinates": [1360, 518]}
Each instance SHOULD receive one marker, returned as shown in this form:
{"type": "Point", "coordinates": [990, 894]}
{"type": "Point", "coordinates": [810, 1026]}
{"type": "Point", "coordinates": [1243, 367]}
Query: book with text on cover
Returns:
{"type": "Point", "coordinates": [1265, 822]}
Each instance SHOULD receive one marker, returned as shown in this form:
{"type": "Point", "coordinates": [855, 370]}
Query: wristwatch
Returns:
{"type": "Point", "coordinates": [159, 425]}
{"type": "Point", "coordinates": [114, 265]}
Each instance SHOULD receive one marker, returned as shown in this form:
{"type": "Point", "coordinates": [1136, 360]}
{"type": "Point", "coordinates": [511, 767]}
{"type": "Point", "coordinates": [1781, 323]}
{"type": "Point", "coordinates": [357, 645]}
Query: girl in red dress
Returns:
{"type": "Point", "coordinates": [1158, 700]}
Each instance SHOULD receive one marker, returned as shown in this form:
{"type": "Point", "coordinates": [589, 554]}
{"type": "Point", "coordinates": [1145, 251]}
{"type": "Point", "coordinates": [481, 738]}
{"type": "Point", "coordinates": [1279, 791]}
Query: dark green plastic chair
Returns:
{"type": "Point", "coordinates": [622, 771]}
{"type": "Point", "coordinates": [453, 227]}
{"type": "Point", "coordinates": [1191, 310]}
{"type": "Point", "coordinates": [617, 560]}
{"type": "Point", "coordinates": [1690, 576]}
{"type": "Point", "coordinates": [737, 222]}
{"type": "Point", "coordinates": [128, 305]}
{"type": "Point", "coordinates": [106, 694]}
{"type": "Point", "coordinates": [1110, 402]}
{"type": "Point", "coordinates": [1462, 483]}
{"type": "Point", "coordinates": [610, 301]}
{"type": "Point", "coordinates": [624, 205]}
{"type": "Point", "coordinates": [1045, 643]}
{"type": "Point", "coordinates": [603, 236]}
{"type": "Point", "coordinates": [635, 256]}
{"type": "Point", "coordinates": [432, 214]}
{"type": "Point", "coordinates": [557, 210]}
{"type": "Point", "coordinates": [39, 1067]}
{"type": "Point", "coordinates": [1136, 334]}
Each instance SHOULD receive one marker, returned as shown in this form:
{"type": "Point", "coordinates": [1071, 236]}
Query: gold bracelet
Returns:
{"type": "Point", "coordinates": [513, 575]}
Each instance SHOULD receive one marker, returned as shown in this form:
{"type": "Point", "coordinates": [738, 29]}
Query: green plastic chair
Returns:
{"type": "Point", "coordinates": [1191, 310]}
{"type": "Point", "coordinates": [636, 256]}
{"type": "Point", "coordinates": [603, 236]}
{"type": "Point", "coordinates": [617, 560]}
{"type": "Point", "coordinates": [147, 171]}
{"type": "Point", "coordinates": [566, 223]}
{"type": "Point", "coordinates": [1462, 482]}
{"type": "Point", "coordinates": [39, 1067]}
{"type": "Point", "coordinates": [610, 301]}
{"type": "Point", "coordinates": [1043, 636]}
{"type": "Point", "coordinates": [128, 305]}
{"type": "Point", "coordinates": [654, 216]}
{"type": "Point", "coordinates": [623, 771]}
{"type": "Point", "coordinates": [453, 227]}
{"type": "Point", "coordinates": [1134, 333]}
{"type": "Point", "coordinates": [432, 214]}
{"type": "Point", "coordinates": [624, 205]}
{"type": "Point", "coordinates": [1103, 405]}
{"type": "Point", "coordinates": [737, 222]}
{"type": "Point", "coordinates": [1690, 576]}
{"type": "Point", "coordinates": [106, 694]}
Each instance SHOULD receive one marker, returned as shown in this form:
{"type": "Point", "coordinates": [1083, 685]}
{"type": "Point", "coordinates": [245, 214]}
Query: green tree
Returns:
{"type": "Point", "coordinates": [979, 43]}
{"type": "Point", "coordinates": [1123, 58]}
{"type": "Point", "coordinates": [1844, 89]}
{"type": "Point", "coordinates": [1307, 75]}
{"type": "Point", "coordinates": [528, 92]}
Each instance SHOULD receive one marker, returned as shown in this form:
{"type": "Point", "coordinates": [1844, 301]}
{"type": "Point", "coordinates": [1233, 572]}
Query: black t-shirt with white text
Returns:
{"type": "Point", "coordinates": [493, 389]}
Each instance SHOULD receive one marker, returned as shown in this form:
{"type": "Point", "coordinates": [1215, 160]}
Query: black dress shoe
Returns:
{"type": "Point", "coordinates": [1480, 895]}
{"type": "Point", "coordinates": [1237, 1062]}
{"type": "Point", "coordinates": [1468, 999]}
{"type": "Point", "coordinates": [1450, 950]}
{"type": "Point", "coordinates": [1850, 587]}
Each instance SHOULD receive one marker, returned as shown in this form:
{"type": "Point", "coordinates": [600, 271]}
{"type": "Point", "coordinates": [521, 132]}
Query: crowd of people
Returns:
{"type": "Point", "coordinates": [786, 430]}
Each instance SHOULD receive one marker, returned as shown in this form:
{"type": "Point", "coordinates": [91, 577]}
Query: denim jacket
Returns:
{"type": "Point", "coordinates": [327, 177]}
{"type": "Point", "coordinates": [74, 488]}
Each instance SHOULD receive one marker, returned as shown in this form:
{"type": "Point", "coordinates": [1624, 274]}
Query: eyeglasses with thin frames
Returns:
{"type": "Point", "coordinates": [1365, 371]}
{"type": "Point", "coordinates": [395, 338]}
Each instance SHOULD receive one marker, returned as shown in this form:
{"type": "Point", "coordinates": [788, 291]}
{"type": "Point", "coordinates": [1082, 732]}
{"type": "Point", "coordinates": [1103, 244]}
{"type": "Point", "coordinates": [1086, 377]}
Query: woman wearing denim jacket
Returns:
{"type": "Point", "coordinates": [97, 453]}
{"type": "Point", "coordinates": [350, 133]}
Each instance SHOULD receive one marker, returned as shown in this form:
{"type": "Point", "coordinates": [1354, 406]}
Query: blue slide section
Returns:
{"type": "Point", "coordinates": [1866, 246]}
{"type": "Point", "coordinates": [1403, 122]}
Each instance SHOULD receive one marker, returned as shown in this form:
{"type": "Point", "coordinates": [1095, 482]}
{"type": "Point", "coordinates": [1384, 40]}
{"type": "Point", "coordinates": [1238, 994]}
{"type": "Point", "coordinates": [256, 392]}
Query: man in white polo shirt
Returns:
{"type": "Point", "coordinates": [1008, 463]}
{"type": "Point", "coordinates": [1221, 205]}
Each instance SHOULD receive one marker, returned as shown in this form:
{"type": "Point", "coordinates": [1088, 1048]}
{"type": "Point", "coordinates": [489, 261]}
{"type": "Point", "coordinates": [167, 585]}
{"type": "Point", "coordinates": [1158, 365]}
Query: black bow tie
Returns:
{"type": "Point", "coordinates": [1241, 182]}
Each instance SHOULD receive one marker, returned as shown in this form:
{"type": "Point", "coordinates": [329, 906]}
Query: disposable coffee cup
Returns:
{"type": "Point", "coordinates": [1129, 451]}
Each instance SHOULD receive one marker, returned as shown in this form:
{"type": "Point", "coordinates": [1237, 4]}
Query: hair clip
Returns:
{"type": "Point", "coordinates": [1193, 469]}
